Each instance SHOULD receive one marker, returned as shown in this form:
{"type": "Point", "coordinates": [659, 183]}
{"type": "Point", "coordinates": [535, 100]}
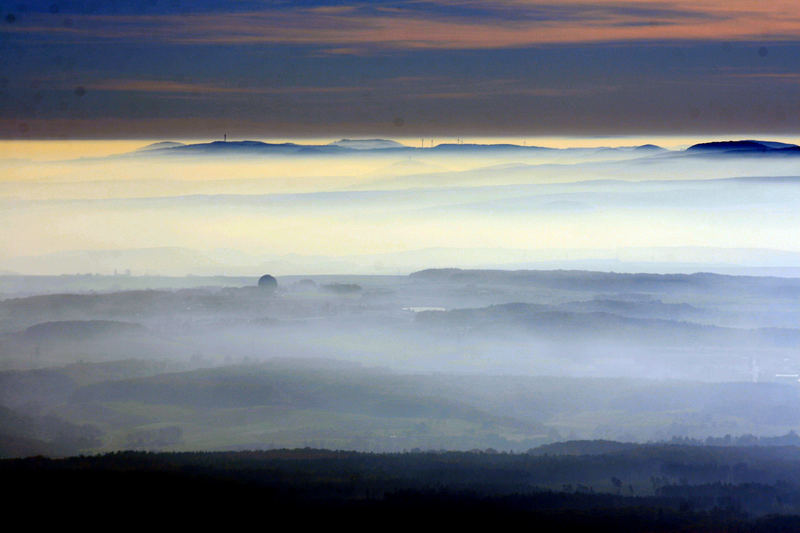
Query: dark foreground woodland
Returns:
{"type": "Point", "coordinates": [309, 487]}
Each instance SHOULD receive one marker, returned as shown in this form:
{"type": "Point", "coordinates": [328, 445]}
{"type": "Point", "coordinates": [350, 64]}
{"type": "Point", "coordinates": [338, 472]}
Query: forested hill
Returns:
{"type": "Point", "coordinates": [690, 488]}
{"type": "Point", "coordinates": [615, 281]}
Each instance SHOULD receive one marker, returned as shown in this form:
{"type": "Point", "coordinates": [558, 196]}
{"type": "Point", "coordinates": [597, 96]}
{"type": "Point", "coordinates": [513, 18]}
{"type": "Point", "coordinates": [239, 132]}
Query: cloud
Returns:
{"type": "Point", "coordinates": [179, 87]}
{"type": "Point", "coordinates": [424, 87]}
{"type": "Point", "coordinates": [792, 77]}
{"type": "Point", "coordinates": [354, 27]}
{"type": "Point", "coordinates": [419, 66]}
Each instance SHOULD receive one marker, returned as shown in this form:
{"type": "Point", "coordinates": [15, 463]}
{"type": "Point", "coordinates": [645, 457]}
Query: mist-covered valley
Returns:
{"type": "Point", "coordinates": [438, 359]}
{"type": "Point", "coordinates": [587, 335]}
{"type": "Point", "coordinates": [447, 264]}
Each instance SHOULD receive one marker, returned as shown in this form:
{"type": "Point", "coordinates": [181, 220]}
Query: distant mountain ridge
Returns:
{"type": "Point", "coordinates": [350, 146]}
{"type": "Point", "coordinates": [358, 145]}
{"type": "Point", "coordinates": [745, 147]}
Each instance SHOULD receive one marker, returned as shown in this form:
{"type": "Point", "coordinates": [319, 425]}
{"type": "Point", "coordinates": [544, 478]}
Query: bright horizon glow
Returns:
{"type": "Point", "coordinates": [549, 205]}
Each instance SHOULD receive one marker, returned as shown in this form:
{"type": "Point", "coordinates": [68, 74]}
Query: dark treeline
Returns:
{"type": "Point", "coordinates": [315, 487]}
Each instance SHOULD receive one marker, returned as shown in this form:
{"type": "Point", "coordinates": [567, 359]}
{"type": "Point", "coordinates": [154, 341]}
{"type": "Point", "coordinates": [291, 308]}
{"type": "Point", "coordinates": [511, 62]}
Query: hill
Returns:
{"type": "Point", "coordinates": [160, 146]}
{"type": "Point", "coordinates": [648, 488]}
{"type": "Point", "coordinates": [745, 147]}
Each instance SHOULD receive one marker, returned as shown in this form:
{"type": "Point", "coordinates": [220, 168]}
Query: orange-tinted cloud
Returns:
{"type": "Point", "coordinates": [348, 30]}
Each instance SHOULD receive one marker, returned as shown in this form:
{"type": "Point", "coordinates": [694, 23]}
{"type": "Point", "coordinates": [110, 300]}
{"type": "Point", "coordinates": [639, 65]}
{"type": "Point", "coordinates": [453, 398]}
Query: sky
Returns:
{"type": "Point", "coordinates": [157, 69]}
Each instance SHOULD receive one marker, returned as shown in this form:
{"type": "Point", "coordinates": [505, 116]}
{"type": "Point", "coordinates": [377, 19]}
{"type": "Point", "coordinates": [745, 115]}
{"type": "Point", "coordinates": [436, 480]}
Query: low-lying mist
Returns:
{"type": "Point", "coordinates": [449, 359]}
{"type": "Point", "coordinates": [601, 295]}
{"type": "Point", "coordinates": [243, 209]}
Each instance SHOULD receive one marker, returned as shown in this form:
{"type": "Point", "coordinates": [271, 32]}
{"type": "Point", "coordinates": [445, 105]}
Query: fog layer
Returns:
{"type": "Point", "coordinates": [561, 339]}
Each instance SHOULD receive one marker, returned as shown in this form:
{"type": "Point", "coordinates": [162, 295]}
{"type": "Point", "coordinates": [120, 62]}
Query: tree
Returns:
{"type": "Point", "coordinates": [617, 482]}
{"type": "Point", "coordinates": [267, 282]}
